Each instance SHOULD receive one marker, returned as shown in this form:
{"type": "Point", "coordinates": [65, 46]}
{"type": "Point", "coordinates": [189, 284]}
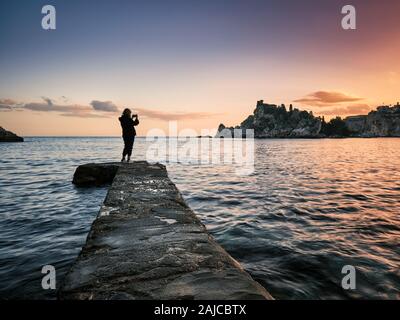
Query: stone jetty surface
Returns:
{"type": "Point", "coordinates": [146, 243]}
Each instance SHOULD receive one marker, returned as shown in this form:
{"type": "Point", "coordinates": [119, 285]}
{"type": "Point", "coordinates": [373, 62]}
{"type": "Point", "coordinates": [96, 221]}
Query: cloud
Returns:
{"type": "Point", "coordinates": [7, 104]}
{"type": "Point", "coordinates": [84, 115]}
{"type": "Point", "coordinates": [106, 106]}
{"type": "Point", "coordinates": [326, 98]}
{"type": "Point", "coordinates": [48, 101]}
{"type": "Point", "coordinates": [49, 105]}
{"type": "Point", "coordinates": [170, 116]}
{"type": "Point", "coordinates": [64, 98]}
{"type": "Point", "coordinates": [355, 109]}
{"type": "Point", "coordinates": [333, 103]}
{"type": "Point", "coordinates": [96, 109]}
{"type": "Point", "coordinates": [45, 107]}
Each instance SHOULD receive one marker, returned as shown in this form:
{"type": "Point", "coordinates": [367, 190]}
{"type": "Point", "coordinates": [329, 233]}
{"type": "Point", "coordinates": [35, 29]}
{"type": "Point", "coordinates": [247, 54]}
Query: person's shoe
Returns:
{"type": "Point", "coordinates": [123, 159]}
{"type": "Point", "coordinates": [129, 159]}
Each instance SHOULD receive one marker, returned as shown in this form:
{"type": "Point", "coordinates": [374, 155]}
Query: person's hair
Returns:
{"type": "Point", "coordinates": [127, 112]}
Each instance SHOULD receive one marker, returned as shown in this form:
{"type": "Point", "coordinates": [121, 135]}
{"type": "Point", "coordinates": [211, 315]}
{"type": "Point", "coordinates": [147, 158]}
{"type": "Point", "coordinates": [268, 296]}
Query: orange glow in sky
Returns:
{"type": "Point", "coordinates": [200, 73]}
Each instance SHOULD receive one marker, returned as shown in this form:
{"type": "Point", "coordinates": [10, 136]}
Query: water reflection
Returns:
{"type": "Point", "coordinates": [310, 207]}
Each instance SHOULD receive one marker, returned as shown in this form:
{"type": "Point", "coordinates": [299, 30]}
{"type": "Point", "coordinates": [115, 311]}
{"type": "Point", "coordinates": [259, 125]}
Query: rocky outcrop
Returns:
{"type": "Point", "coordinates": [384, 122]}
{"type": "Point", "coordinates": [272, 121]}
{"type": "Point", "coordinates": [146, 243]}
{"type": "Point", "coordinates": [8, 136]}
{"type": "Point", "coordinates": [95, 174]}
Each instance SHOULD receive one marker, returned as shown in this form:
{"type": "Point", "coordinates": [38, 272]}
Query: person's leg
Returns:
{"type": "Point", "coordinates": [130, 147]}
{"type": "Point", "coordinates": [125, 151]}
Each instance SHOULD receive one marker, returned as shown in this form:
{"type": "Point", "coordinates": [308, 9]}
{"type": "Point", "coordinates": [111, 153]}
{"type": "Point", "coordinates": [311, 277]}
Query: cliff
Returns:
{"type": "Point", "coordinates": [8, 136]}
{"type": "Point", "coordinates": [384, 122]}
{"type": "Point", "coordinates": [272, 121]}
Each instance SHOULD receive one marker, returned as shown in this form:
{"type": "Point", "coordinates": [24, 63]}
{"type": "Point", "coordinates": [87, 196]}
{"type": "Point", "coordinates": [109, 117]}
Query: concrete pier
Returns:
{"type": "Point", "coordinates": [146, 243]}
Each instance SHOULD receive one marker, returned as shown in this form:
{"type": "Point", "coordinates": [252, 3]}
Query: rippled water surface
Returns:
{"type": "Point", "coordinates": [309, 208]}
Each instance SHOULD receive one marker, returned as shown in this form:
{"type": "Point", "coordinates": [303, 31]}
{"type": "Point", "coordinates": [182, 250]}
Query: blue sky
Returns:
{"type": "Point", "coordinates": [214, 58]}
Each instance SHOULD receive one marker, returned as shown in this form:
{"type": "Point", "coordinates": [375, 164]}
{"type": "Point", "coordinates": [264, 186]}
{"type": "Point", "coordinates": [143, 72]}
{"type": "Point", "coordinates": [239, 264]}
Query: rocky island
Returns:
{"type": "Point", "coordinates": [273, 121]}
{"type": "Point", "coordinates": [8, 136]}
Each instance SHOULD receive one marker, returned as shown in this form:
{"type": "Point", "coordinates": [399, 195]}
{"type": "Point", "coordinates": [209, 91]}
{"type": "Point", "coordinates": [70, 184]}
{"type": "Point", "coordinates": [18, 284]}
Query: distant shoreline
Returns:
{"type": "Point", "coordinates": [195, 137]}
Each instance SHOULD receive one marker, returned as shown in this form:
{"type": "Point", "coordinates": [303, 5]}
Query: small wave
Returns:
{"type": "Point", "coordinates": [359, 197]}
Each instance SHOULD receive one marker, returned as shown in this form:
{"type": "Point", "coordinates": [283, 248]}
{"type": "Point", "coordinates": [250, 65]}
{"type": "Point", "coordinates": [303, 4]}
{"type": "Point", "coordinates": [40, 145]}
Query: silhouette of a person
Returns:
{"type": "Point", "coordinates": [128, 123]}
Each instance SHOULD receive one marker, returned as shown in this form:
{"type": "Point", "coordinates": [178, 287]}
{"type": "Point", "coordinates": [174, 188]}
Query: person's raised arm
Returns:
{"type": "Point", "coordinates": [136, 121]}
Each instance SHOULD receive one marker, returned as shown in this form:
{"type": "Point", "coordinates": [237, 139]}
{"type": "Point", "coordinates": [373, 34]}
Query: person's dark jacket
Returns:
{"type": "Point", "coordinates": [128, 126]}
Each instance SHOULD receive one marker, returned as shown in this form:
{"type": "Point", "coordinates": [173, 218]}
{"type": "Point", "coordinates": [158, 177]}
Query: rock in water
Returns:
{"type": "Point", "coordinates": [95, 174]}
{"type": "Point", "coordinates": [8, 136]}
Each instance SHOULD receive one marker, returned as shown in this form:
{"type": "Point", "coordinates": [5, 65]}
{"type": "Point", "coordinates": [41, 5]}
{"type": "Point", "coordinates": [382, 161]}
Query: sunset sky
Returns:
{"type": "Point", "coordinates": [198, 62]}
